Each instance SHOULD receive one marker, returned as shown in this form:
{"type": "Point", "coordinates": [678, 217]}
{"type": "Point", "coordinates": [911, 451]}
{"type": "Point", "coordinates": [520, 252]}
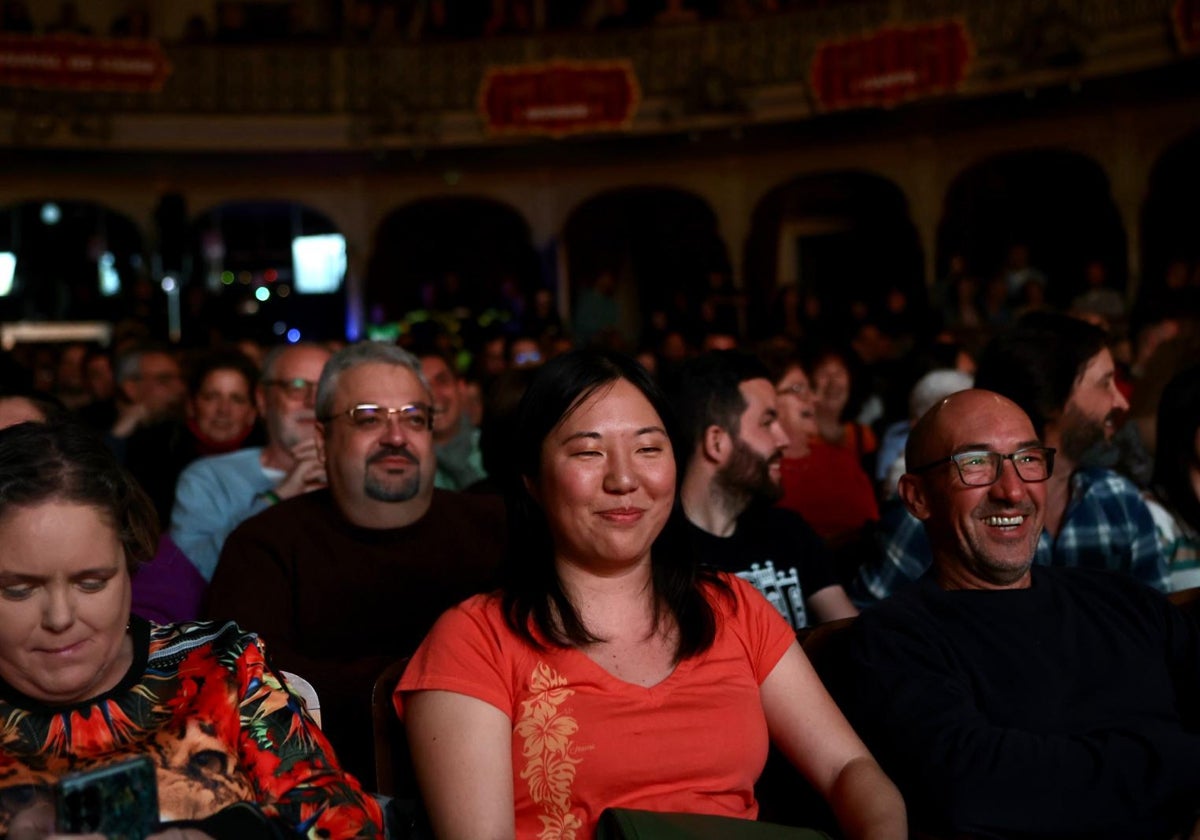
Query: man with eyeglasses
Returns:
{"type": "Point", "coordinates": [216, 494]}
{"type": "Point", "coordinates": [344, 580]}
{"type": "Point", "coordinates": [1060, 372]}
{"type": "Point", "coordinates": [1010, 699]}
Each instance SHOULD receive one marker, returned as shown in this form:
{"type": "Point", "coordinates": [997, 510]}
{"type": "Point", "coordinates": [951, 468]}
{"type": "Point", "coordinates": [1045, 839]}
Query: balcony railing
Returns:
{"type": "Point", "coordinates": [756, 70]}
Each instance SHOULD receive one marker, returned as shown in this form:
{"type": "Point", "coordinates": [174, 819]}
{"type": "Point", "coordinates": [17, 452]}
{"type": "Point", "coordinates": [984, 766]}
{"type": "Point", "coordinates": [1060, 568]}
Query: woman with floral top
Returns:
{"type": "Point", "coordinates": [84, 684]}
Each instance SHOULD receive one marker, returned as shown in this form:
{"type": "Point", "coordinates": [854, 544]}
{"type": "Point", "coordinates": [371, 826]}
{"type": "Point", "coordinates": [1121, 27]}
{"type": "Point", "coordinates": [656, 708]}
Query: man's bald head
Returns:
{"type": "Point", "coordinates": [925, 438]}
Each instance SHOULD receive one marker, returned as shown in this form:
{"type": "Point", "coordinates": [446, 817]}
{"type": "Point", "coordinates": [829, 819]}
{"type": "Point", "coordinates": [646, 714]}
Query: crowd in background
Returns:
{"type": "Point", "coordinates": [862, 362]}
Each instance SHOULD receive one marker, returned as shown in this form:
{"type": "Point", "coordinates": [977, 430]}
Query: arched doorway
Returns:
{"type": "Point", "coordinates": [269, 271]}
{"type": "Point", "coordinates": [656, 252]}
{"type": "Point", "coordinates": [470, 257]}
{"type": "Point", "coordinates": [1045, 212]}
{"type": "Point", "coordinates": [1170, 219]}
{"type": "Point", "coordinates": [64, 260]}
{"type": "Point", "coordinates": [839, 244]}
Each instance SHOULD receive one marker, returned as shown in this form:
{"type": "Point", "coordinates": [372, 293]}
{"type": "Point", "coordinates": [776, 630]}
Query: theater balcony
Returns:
{"type": "Point", "coordinates": [716, 75]}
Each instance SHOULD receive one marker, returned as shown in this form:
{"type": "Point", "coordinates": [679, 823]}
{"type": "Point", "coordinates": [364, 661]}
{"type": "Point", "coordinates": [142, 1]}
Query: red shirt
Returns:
{"type": "Point", "coordinates": [584, 740]}
{"type": "Point", "coordinates": [830, 490]}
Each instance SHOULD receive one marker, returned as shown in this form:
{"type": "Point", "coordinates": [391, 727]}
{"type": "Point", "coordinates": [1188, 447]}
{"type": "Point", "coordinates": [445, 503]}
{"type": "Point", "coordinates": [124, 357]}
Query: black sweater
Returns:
{"type": "Point", "coordinates": [1062, 710]}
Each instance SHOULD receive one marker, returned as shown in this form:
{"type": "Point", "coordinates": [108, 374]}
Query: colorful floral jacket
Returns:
{"type": "Point", "coordinates": [221, 728]}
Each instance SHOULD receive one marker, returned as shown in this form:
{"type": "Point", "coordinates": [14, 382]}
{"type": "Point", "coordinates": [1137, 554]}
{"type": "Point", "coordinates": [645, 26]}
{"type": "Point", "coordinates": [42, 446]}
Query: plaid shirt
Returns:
{"type": "Point", "coordinates": [1106, 526]}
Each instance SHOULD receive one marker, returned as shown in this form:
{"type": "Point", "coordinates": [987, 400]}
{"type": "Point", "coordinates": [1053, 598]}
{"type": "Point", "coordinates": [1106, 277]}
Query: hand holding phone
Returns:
{"type": "Point", "coordinates": [118, 800]}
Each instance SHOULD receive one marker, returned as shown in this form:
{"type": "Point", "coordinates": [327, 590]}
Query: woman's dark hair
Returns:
{"type": "Point", "coordinates": [1175, 445]}
{"type": "Point", "coordinates": [533, 593]}
{"type": "Point", "coordinates": [66, 461]}
{"type": "Point", "coordinates": [233, 360]}
{"type": "Point", "coordinates": [780, 354]}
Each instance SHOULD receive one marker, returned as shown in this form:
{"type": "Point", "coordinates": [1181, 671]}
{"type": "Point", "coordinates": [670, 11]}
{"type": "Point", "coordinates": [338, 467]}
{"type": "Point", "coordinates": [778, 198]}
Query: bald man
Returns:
{"type": "Point", "coordinates": [1009, 699]}
{"type": "Point", "coordinates": [1060, 372]}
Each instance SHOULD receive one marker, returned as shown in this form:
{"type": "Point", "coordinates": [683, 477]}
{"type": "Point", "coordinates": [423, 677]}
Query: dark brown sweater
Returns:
{"type": "Point", "coordinates": [336, 603]}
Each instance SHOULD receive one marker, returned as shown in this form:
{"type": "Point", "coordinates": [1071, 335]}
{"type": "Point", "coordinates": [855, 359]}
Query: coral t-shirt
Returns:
{"type": "Point", "coordinates": [584, 740]}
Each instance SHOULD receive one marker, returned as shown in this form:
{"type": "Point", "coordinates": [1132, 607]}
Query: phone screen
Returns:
{"type": "Point", "coordinates": [118, 800]}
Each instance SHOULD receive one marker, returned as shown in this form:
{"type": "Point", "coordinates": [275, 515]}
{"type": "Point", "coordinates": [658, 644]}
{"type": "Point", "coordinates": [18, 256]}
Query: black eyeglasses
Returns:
{"type": "Point", "coordinates": [982, 467]}
{"type": "Point", "coordinates": [417, 417]}
{"type": "Point", "coordinates": [293, 388]}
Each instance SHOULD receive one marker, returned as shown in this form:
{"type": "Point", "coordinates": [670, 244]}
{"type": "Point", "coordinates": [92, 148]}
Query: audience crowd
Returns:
{"type": "Point", "coordinates": [996, 509]}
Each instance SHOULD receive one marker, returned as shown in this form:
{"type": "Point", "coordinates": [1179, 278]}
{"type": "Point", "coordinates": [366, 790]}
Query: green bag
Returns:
{"type": "Point", "coordinates": [631, 824]}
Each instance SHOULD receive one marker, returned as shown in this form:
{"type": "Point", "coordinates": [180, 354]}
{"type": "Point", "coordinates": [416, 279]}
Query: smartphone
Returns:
{"type": "Point", "coordinates": [117, 800]}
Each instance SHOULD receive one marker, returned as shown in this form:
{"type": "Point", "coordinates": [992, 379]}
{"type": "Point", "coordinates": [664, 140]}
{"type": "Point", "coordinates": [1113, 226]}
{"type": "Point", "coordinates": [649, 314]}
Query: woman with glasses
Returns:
{"type": "Point", "coordinates": [823, 483]}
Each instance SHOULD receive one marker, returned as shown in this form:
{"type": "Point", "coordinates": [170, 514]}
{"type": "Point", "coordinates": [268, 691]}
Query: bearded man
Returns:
{"type": "Point", "coordinates": [1060, 372]}
{"type": "Point", "coordinates": [726, 405]}
{"type": "Point", "coordinates": [1009, 699]}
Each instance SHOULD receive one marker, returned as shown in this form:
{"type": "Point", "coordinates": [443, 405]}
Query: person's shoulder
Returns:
{"type": "Point", "coordinates": [289, 520]}
{"type": "Point", "coordinates": [774, 522]}
{"type": "Point", "coordinates": [780, 527]}
{"type": "Point", "coordinates": [216, 466]}
{"type": "Point", "coordinates": [471, 509]}
{"type": "Point", "coordinates": [1092, 585]}
{"type": "Point", "coordinates": [727, 591]}
{"type": "Point", "coordinates": [903, 608]}
{"type": "Point", "coordinates": [1103, 481]}
{"type": "Point", "coordinates": [480, 615]}
{"type": "Point", "coordinates": [487, 606]}
{"type": "Point", "coordinates": [777, 518]}
{"type": "Point", "coordinates": [174, 642]}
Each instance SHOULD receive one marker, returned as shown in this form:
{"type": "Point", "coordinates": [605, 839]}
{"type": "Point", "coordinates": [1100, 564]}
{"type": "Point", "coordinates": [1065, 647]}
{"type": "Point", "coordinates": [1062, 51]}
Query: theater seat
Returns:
{"type": "Point", "coordinates": [1187, 600]}
{"type": "Point", "coordinates": [783, 794]}
{"type": "Point", "coordinates": [394, 775]}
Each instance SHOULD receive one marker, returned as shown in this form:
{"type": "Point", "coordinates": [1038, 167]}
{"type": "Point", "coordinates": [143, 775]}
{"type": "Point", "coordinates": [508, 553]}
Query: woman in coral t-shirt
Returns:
{"type": "Point", "coordinates": [610, 671]}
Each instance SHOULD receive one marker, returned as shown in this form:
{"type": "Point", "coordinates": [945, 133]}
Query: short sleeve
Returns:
{"type": "Point", "coordinates": [766, 634]}
{"type": "Point", "coordinates": [464, 653]}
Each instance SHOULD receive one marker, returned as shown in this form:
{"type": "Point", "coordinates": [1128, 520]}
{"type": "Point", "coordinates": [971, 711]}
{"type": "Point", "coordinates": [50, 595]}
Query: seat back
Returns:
{"type": "Point", "coordinates": [1187, 600]}
{"type": "Point", "coordinates": [307, 694]}
{"type": "Point", "coordinates": [825, 646]}
{"type": "Point", "coordinates": [394, 775]}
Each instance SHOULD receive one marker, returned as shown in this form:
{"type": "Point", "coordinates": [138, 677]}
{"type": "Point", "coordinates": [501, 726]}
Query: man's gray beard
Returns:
{"type": "Point", "coordinates": [747, 477]}
{"type": "Point", "coordinates": [293, 434]}
{"type": "Point", "coordinates": [384, 491]}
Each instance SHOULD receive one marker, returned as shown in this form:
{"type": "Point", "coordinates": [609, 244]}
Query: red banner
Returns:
{"type": "Point", "coordinates": [1185, 19]}
{"type": "Point", "coordinates": [79, 63]}
{"type": "Point", "coordinates": [891, 65]}
{"type": "Point", "coordinates": [559, 97]}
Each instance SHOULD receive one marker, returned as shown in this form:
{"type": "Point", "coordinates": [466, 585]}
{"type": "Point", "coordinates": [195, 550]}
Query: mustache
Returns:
{"type": "Point", "coordinates": [388, 451]}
